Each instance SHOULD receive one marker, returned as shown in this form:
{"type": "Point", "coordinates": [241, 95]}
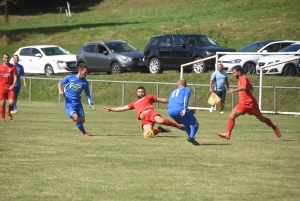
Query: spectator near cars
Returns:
{"type": "Point", "coordinates": [290, 68]}
{"type": "Point", "coordinates": [46, 59]}
{"type": "Point", "coordinates": [169, 52]}
{"type": "Point", "coordinates": [248, 62]}
{"type": "Point", "coordinates": [112, 57]}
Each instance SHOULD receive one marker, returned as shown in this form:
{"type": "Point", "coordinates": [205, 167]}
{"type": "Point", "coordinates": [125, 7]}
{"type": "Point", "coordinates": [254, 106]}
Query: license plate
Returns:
{"type": "Point", "coordinates": [140, 64]}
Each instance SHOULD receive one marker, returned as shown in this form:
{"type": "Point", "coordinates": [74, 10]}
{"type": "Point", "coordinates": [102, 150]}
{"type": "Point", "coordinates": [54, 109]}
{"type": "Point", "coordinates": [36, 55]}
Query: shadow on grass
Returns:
{"type": "Point", "coordinates": [16, 35]}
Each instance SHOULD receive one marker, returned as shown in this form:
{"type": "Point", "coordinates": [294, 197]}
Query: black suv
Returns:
{"type": "Point", "coordinates": [169, 52]}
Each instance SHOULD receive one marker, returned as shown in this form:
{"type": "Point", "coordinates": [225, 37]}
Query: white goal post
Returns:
{"type": "Point", "coordinates": [261, 72]}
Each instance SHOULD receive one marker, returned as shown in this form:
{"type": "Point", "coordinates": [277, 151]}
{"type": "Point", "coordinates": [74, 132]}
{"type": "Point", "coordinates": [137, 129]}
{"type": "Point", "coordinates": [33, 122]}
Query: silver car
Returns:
{"type": "Point", "coordinates": [112, 57]}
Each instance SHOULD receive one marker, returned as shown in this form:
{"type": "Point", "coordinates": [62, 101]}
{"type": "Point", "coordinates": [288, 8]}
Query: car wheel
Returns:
{"type": "Point", "coordinates": [115, 68]}
{"type": "Point", "coordinates": [154, 66]}
{"type": "Point", "coordinates": [199, 67]}
{"type": "Point", "coordinates": [289, 70]}
{"type": "Point", "coordinates": [49, 70]}
{"type": "Point", "coordinates": [249, 68]}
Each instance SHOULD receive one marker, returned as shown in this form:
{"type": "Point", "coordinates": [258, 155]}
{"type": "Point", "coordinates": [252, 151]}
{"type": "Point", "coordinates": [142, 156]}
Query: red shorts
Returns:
{"type": "Point", "coordinates": [6, 93]}
{"type": "Point", "coordinates": [149, 118]}
{"type": "Point", "coordinates": [248, 107]}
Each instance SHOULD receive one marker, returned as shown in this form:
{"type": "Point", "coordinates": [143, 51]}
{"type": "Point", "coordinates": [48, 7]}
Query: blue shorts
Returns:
{"type": "Point", "coordinates": [17, 90]}
{"type": "Point", "coordinates": [222, 95]}
{"type": "Point", "coordinates": [187, 120]}
{"type": "Point", "coordinates": [73, 107]}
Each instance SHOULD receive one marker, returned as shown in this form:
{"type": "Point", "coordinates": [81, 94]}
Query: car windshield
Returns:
{"type": "Point", "coordinates": [253, 47]}
{"type": "Point", "coordinates": [291, 48]}
{"type": "Point", "coordinates": [121, 47]}
{"type": "Point", "coordinates": [199, 40]}
{"type": "Point", "coordinates": [53, 51]}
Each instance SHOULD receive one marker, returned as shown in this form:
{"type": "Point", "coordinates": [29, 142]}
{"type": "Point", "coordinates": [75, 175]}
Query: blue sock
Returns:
{"type": "Point", "coordinates": [15, 105]}
{"type": "Point", "coordinates": [80, 127]}
{"type": "Point", "coordinates": [194, 130]}
{"type": "Point", "coordinates": [187, 129]}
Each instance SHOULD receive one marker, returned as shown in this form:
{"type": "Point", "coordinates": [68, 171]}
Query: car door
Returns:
{"type": "Point", "coordinates": [182, 54]}
{"type": "Point", "coordinates": [103, 59]}
{"type": "Point", "coordinates": [90, 56]}
{"type": "Point", "coordinates": [165, 51]}
{"type": "Point", "coordinates": [24, 57]}
{"type": "Point", "coordinates": [37, 63]}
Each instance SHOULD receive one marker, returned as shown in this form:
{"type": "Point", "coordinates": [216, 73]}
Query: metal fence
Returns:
{"type": "Point", "coordinates": [275, 99]}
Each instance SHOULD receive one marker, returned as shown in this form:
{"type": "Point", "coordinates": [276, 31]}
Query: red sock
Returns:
{"type": "Point", "coordinates": [10, 107]}
{"type": "Point", "coordinates": [171, 123]}
{"type": "Point", "coordinates": [156, 131]}
{"type": "Point", "coordinates": [269, 123]}
{"type": "Point", "coordinates": [2, 111]}
{"type": "Point", "coordinates": [230, 124]}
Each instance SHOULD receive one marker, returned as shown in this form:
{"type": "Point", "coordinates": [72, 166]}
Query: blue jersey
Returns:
{"type": "Point", "coordinates": [21, 73]}
{"type": "Point", "coordinates": [219, 79]}
{"type": "Point", "coordinates": [74, 87]}
{"type": "Point", "coordinates": [179, 99]}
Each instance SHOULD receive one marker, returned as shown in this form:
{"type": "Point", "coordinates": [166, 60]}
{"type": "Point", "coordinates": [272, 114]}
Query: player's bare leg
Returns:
{"type": "Point", "coordinates": [230, 124]}
{"type": "Point", "coordinates": [269, 123]}
{"type": "Point", "coordinates": [167, 122]}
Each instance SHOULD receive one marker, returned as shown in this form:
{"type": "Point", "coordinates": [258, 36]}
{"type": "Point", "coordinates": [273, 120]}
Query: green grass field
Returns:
{"type": "Point", "coordinates": [45, 157]}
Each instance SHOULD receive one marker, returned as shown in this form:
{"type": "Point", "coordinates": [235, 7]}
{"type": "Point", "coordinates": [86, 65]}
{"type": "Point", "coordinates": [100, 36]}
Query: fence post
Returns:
{"type": "Point", "coordinates": [194, 95]}
{"type": "Point", "coordinates": [30, 89]}
{"type": "Point", "coordinates": [123, 93]}
{"type": "Point", "coordinates": [275, 95]}
{"type": "Point", "coordinates": [157, 93]}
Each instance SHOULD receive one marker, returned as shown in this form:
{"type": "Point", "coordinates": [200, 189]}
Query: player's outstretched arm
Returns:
{"type": "Point", "coordinates": [91, 106]}
{"type": "Point", "coordinates": [116, 109]}
{"type": "Point", "coordinates": [162, 100]}
{"type": "Point", "coordinates": [60, 91]}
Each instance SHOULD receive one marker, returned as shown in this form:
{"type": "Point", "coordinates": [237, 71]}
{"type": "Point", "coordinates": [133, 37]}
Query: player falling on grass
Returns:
{"type": "Point", "coordinates": [178, 110]}
{"type": "Point", "coordinates": [145, 111]}
{"type": "Point", "coordinates": [75, 84]}
{"type": "Point", "coordinates": [8, 79]}
{"type": "Point", "coordinates": [247, 104]}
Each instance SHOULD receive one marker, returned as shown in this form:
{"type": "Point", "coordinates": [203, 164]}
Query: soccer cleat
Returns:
{"type": "Point", "coordinates": [164, 130]}
{"type": "Point", "coordinates": [221, 112]}
{"type": "Point", "coordinates": [225, 135]}
{"type": "Point", "coordinates": [86, 135]}
{"type": "Point", "coordinates": [277, 132]}
{"type": "Point", "coordinates": [193, 141]}
{"type": "Point", "coordinates": [211, 109]}
{"type": "Point", "coordinates": [215, 107]}
{"type": "Point", "coordinates": [182, 128]}
{"type": "Point", "coordinates": [9, 115]}
{"type": "Point", "coordinates": [14, 111]}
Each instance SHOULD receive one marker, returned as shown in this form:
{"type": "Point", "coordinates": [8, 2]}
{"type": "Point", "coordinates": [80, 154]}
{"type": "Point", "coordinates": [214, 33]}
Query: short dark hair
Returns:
{"type": "Point", "coordinates": [141, 87]}
{"type": "Point", "coordinates": [81, 67]}
{"type": "Point", "coordinates": [238, 68]}
{"type": "Point", "coordinates": [5, 54]}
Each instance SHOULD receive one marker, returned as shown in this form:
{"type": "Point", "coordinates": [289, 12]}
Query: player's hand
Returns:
{"type": "Point", "coordinates": [91, 106]}
{"type": "Point", "coordinates": [61, 92]}
{"type": "Point", "coordinates": [106, 109]}
{"type": "Point", "coordinates": [230, 91]}
{"type": "Point", "coordinates": [182, 113]}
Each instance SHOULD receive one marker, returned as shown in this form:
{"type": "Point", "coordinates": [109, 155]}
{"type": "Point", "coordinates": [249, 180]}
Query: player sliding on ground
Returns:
{"type": "Point", "coordinates": [247, 104]}
{"type": "Point", "coordinates": [145, 111]}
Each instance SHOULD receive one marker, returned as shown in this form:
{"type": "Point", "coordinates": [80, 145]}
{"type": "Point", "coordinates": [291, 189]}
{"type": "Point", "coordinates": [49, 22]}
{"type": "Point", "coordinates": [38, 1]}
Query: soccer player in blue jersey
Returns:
{"type": "Point", "coordinates": [178, 110]}
{"type": "Point", "coordinates": [75, 84]}
{"type": "Point", "coordinates": [18, 84]}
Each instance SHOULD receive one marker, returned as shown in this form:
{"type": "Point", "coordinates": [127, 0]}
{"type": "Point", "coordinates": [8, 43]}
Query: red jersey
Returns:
{"type": "Point", "coordinates": [245, 95]}
{"type": "Point", "coordinates": [142, 104]}
{"type": "Point", "coordinates": [7, 74]}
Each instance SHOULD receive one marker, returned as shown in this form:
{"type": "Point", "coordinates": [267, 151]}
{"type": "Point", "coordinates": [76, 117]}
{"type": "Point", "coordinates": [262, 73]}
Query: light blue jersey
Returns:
{"type": "Point", "coordinates": [219, 79]}
{"type": "Point", "coordinates": [74, 87]}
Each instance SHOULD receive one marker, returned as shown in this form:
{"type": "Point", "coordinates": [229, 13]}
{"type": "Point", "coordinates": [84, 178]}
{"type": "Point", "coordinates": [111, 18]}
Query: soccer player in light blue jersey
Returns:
{"type": "Point", "coordinates": [18, 84]}
{"type": "Point", "coordinates": [178, 110]}
{"type": "Point", "coordinates": [74, 85]}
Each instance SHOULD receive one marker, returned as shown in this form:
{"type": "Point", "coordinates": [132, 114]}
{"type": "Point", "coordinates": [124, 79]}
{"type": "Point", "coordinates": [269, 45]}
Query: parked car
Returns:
{"type": "Point", "coordinates": [290, 68]}
{"type": "Point", "coordinates": [169, 52]}
{"type": "Point", "coordinates": [248, 62]}
{"type": "Point", "coordinates": [46, 59]}
{"type": "Point", "coordinates": [113, 57]}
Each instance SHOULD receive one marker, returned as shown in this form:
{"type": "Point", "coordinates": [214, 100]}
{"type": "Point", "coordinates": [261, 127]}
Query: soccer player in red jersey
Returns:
{"type": "Point", "coordinates": [145, 111]}
{"type": "Point", "coordinates": [247, 104]}
{"type": "Point", "coordinates": [8, 79]}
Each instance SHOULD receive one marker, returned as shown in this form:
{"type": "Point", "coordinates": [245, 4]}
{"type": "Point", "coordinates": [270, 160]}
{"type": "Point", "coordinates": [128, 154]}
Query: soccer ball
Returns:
{"type": "Point", "coordinates": [148, 133]}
